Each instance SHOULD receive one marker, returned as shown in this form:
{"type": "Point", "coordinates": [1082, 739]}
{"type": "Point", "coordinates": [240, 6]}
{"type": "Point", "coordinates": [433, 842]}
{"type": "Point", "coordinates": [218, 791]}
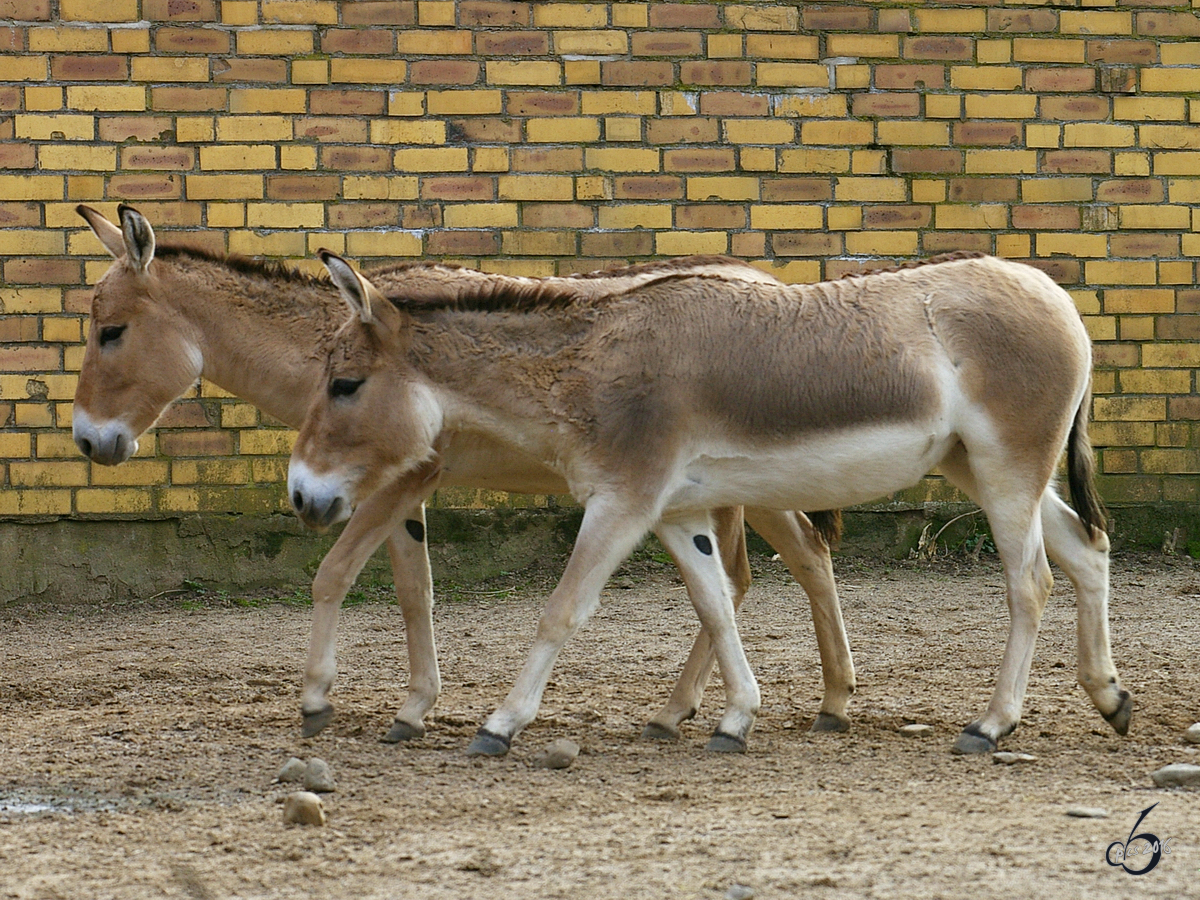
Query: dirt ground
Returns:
{"type": "Point", "coordinates": [139, 744]}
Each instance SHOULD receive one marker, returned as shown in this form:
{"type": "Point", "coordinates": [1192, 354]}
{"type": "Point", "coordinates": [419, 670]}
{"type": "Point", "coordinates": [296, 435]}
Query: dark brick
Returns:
{"type": "Point", "coordinates": [1168, 24]}
{"type": "Point", "coordinates": [939, 47]}
{"type": "Point", "coordinates": [648, 187]}
{"type": "Point", "coordinates": [12, 39]}
{"type": "Point", "coordinates": [544, 159]}
{"type": "Point", "coordinates": [458, 187]}
{"type": "Point", "coordinates": [1077, 162]}
{"type": "Point", "coordinates": [934, 242]}
{"type": "Point", "coordinates": [485, 131]}
{"type": "Point", "coordinates": [260, 69]}
{"type": "Point", "coordinates": [888, 217]}
{"type": "Point", "coordinates": [679, 43]}
{"type": "Point", "coordinates": [1067, 80]}
{"type": "Point", "coordinates": [119, 129]}
{"type": "Point", "coordinates": [25, 10]}
{"type": "Point", "coordinates": [886, 105]}
{"type": "Point", "coordinates": [682, 130]}
{"type": "Point", "coordinates": [195, 443]}
{"type": "Point", "coordinates": [734, 103]}
{"type": "Point", "coordinates": [10, 97]}
{"type": "Point", "coordinates": [145, 187]}
{"type": "Point", "coordinates": [836, 18]}
{"type": "Point", "coordinates": [303, 187]}
{"type": "Point", "coordinates": [180, 10]}
{"type": "Point", "coordinates": [188, 99]}
{"type": "Point", "coordinates": [16, 214]}
{"type": "Point", "coordinates": [89, 68]}
{"type": "Point", "coordinates": [1046, 218]}
{"type": "Point", "coordinates": [191, 40]}
{"type": "Point", "coordinates": [806, 243]}
{"type": "Point", "coordinates": [616, 243]}
{"type": "Point", "coordinates": [927, 160]}
{"type": "Point", "coordinates": [1035, 21]}
{"type": "Point", "coordinates": [983, 190]}
{"type": "Point", "coordinates": [987, 134]}
{"type": "Point", "coordinates": [159, 158]}
{"type": "Point", "coordinates": [1060, 269]}
{"type": "Point", "coordinates": [1144, 245]}
{"type": "Point", "coordinates": [781, 190]}
{"type": "Point", "coordinates": [715, 159]}
{"type": "Point", "coordinates": [1076, 108]}
{"type": "Point", "coordinates": [331, 129]}
{"type": "Point", "coordinates": [463, 243]}
{"type": "Point", "coordinates": [735, 72]}
{"type": "Point", "coordinates": [347, 103]}
{"type": "Point", "coordinates": [910, 77]}
{"type": "Point", "coordinates": [557, 215]}
{"type": "Point", "coordinates": [17, 156]}
{"type": "Point", "coordinates": [363, 215]}
{"type": "Point", "coordinates": [1131, 190]}
{"type": "Point", "coordinates": [684, 15]}
{"type": "Point", "coordinates": [19, 329]}
{"type": "Point", "coordinates": [443, 71]}
{"type": "Point", "coordinates": [492, 13]}
{"type": "Point", "coordinates": [374, 41]}
{"type": "Point", "coordinates": [43, 271]}
{"type": "Point", "coordinates": [1136, 53]}
{"type": "Point", "coordinates": [379, 12]}
{"type": "Point", "coordinates": [512, 43]}
{"type": "Point", "coordinates": [543, 103]}
{"type": "Point", "coordinates": [710, 216]}
{"type": "Point", "coordinates": [628, 73]}
{"type": "Point", "coordinates": [357, 159]}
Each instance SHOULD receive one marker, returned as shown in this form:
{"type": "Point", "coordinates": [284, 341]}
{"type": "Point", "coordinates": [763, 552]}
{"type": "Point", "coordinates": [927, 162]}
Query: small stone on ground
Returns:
{"type": "Point", "coordinates": [1006, 758]}
{"type": "Point", "coordinates": [303, 808]}
{"type": "Point", "coordinates": [292, 770]}
{"type": "Point", "coordinates": [557, 754]}
{"type": "Point", "coordinates": [1192, 735]}
{"type": "Point", "coordinates": [1177, 775]}
{"type": "Point", "coordinates": [1087, 812]}
{"type": "Point", "coordinates": [318, 777]}
{"type": "Point", "coordinates": [739, 892]}
{"type": "Point", "coordinates": [916, 730]}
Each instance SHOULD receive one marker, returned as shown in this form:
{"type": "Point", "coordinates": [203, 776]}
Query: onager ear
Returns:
{"type": "Point", "coordinates": [108, 233]}
{"type": "Point", "coordinates": [139, 237]}
{"type": "Point", "coordinates": [360, 295]}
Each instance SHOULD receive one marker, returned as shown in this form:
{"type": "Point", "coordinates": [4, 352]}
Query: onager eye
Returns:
{"type": "Point", "coordinates": [344, 387]}
{"type": "Point", "coordinates": [110, 333]}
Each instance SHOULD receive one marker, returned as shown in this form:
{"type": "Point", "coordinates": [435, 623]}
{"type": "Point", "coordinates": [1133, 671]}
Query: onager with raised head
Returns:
{"type": "Point", "coordinates": [161, 317]}
{"type": "Point", "coordinates": [691, 392]}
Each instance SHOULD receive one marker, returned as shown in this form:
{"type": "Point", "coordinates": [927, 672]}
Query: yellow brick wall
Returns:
{"type": "Point", "coordinates": [539, 138]}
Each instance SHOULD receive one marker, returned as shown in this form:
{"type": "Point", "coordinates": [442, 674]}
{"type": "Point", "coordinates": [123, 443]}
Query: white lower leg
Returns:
{"type": "Point", "coordinates": [414, 592]}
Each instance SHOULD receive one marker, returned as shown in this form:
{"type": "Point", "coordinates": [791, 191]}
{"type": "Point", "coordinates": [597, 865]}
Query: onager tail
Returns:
{"type": "Point", "coordinates": [1081, 471]}
{"type": "Point", "coordinates": [828, 524]}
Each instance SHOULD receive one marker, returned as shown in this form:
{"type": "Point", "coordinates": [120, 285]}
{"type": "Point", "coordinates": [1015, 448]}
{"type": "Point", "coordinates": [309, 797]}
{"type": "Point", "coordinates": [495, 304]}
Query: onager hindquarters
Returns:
{"type": "Point", "coordinates": [690, 393]}
{"type": "Point", "coordinates": [161, 317]}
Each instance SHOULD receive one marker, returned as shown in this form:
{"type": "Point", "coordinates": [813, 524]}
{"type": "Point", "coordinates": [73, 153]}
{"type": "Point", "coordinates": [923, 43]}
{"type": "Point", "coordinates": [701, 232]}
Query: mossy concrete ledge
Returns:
{"type": "Point", "coordinates": [72, 560]}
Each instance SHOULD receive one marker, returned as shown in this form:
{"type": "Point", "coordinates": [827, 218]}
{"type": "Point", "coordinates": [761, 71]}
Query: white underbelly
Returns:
{"type": "Point", "coordinates": [817, 472]}
{"type": "Point", "coordinates": [474, 460]}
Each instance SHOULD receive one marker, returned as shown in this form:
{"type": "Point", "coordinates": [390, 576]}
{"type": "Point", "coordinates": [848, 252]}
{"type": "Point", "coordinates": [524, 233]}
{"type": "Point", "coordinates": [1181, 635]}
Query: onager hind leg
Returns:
{"type": "Point", "coordinates": [1083, 558]}
{"type": "Point", "coordinates": [806, 554]}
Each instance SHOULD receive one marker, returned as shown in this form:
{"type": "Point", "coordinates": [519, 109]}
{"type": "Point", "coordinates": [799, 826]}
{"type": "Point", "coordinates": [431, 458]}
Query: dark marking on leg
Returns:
{"type": "Point", "coordinates": [415, 529]}
{"type": "Point", "coordinates": [703, 544]}
{"type": "Point", "coordinates": [486, 743]}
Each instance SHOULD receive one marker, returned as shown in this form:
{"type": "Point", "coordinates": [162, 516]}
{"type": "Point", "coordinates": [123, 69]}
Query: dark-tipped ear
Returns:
{"type": "Point", "coordinates": [355, 290]}
{"type": "Point", "coordinates": [108, 233]}
{"type": "Point", "coordinates": [139, 237]}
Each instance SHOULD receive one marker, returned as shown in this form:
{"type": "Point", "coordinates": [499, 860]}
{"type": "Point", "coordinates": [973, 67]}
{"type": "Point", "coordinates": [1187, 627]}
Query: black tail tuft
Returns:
{"type": "Point", "coordinates": [828, 523]}
{"type": "Point", "coordinates": [1081, 473]}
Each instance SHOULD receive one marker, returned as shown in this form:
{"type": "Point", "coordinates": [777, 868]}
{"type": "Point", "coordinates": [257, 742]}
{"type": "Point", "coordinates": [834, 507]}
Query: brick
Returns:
{"type": "Point", "coordinates": [605, 103]}
{"type": "Point", "coordinates": [781, 46]}
{"type": "Point", "coordinates": [66, 39]}
{"type": "Point", "coordinates": [346, 102]}
{"type": "Point", "coordinates": [806, 243]}
{"type": "Point", "coordinates": [444, 71]}
{"type": "Point", "coordinates": [55, 127]}
{"type": "Point", "coordinates": [379, 12]}
{"type": "Point", "coordinates": [180, 10]}
{"type": "Point", "coordinates": [481, 215]}
{"type": "Point", "coordinates": [1098, 135]}
{"type": "Point", "coordinates": [463, 243]}
{"type": "Point", "coordinates": [89, 68]}
{"type": "Point", "coordinates": [1130, 52]}
{"type": "Point", "coordinates": [110, 98]}
{"type": "Point", "coordinates": [194, 40]}
{"type": "Point", "coordinates": [43, 271]}
{"type": "Point", "coordinates": [372, 42]}
{"type": "Point", "coordinates": [660, 187]}
{"type": "Point", "coordinates": [1056, 190]}
{"type": "Point", "coordinates": [169, 69]}
{"type": "Point", "coordinates": [1156, 216]}
{"type": "Point", "coordinates": [1150, 109]}
{"type": "Point", "coordinates": [626, 73]}
{"type": "Point", "coordinates": [666, 15]}
{"type": "Point", "coordinates": [332, 129]}
{"type": "Point", "coordinates": [535, 187]}
{"type": "Point", "coordinates": [709, 216]}
{"type": "Point", "coordinates": [163, 158]}
{"type": "Point", "coordinates": [17, 215]}
{"type": "Point", "coordinates": [1077, 162]}
{"type": "Point", "coordinates": [909, 77]}
{"type": "Point", "coordinates": [950, 21]}
{"type": "Point", "coordinates": [25, 10]}
{"type": "Point", "coordinates": [887, 105]}
{"type": "Point", "coordinates": [1170, 24]}
{"type": "Point", "coordinates": [188, 99]}
{"type": "Point", "coordinates": [71, 158]}
{"type": "Point", "coordinates": [376, 187]}
{"type": "Point", "coordinates": [119, 129]}
{"type": "Point", "coordinates": [944, 47]}
{"type": "Point", "coordinates": [233, 69]}
{"type": "Point", "coordinates": [367, 71]}
{"type": "Point", "coordinates": [912, 133]}
{"type": "Point", "coordinates": [1070, 80]}
{"type": "Point", "coordinates": [531, 72]}
{"type": "Point", "coordinates": [1075, 108]}
{"type": "Point", "coordinates": [796, 75]}
{"type": "Point", "coordinates": [285, 215]}
{"type": "Point", "coordinates": [224, 187]}
{"type": "Point", "coordinates": [513, 43]}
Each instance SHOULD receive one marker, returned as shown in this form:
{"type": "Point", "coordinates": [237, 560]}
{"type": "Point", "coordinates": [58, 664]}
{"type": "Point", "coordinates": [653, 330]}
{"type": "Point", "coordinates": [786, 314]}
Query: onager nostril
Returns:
{"type": "Point", "coordinates": [85, 447]}
{"type": "Point", "coordinates": [297, 501]}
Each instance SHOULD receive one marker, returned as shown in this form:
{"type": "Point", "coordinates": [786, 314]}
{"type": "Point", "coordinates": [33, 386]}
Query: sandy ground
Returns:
{"type": "Point", "coordinates": [139, 745]}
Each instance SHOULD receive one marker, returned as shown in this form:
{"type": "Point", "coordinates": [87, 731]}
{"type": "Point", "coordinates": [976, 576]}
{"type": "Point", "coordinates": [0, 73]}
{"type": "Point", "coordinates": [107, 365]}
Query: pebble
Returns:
{"type": "Point", "coordinates": [739, 892]}
{"type": "Point", "coordinates": [1177, 775]}
{"type": "Point", "coordinates": [1192, 735]}
{"type": "Point", "coordinates": [557, 755]}
{"type": "Point", "coordinates": [1087, 812]}
{"type": "Point", "coordinates": [318, 777]}
{"type": "Point", "coordinates": [916, 730]}
{"type": "Point", "coordinates": [1008, 759]}
{"type": "Point", "coordinates": [293, 770]}
{"type": "Point", "coordinates": [303, 808]}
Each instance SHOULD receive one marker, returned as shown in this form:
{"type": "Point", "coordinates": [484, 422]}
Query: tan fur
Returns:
{"type": "Point", "coordinates": [691, 392]}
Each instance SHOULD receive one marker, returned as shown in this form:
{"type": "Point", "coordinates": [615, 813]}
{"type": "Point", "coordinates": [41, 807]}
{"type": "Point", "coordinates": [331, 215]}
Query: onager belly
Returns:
{"type": "Point", "coordinates": [817, 472]}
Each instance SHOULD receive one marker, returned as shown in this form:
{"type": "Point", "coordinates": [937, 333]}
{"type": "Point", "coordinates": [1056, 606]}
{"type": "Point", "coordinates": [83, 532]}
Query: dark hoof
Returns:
{"type": "Point", "coordinates": [402, 731]}
{"type": "Point", "coordinates": [972, 741]}
{"type": "Point", "coordinates": [721, 742]}
{"type": "Point", "coordinates": [315, 722]}
{"type": "Point", "coordinates": [1119, 720]}
{"type": "Point", "coordinates": [655, 732]}
{"type": "Point", "coordinates": [829, 722]}
{"type": "Point", "coordinates": [487, 744]}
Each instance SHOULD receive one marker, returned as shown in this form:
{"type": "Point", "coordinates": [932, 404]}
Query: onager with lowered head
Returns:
{"type": "Point", "coordinates": [161, 317]}
{"type": "Point", "coordinates": [693, 392]}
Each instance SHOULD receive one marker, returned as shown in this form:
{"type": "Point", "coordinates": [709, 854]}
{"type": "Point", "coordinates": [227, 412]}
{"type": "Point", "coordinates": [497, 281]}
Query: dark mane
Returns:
{"type": "Point", "coordinates": [918, 263]}
{"type": "Point", "coordinates": [269, 269]}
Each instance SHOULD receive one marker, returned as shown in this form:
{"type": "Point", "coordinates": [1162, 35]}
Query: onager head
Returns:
{"type": "Point", "coordinates": [375, 420]}
{"type": "Point", "coordinates": [140, 355]}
